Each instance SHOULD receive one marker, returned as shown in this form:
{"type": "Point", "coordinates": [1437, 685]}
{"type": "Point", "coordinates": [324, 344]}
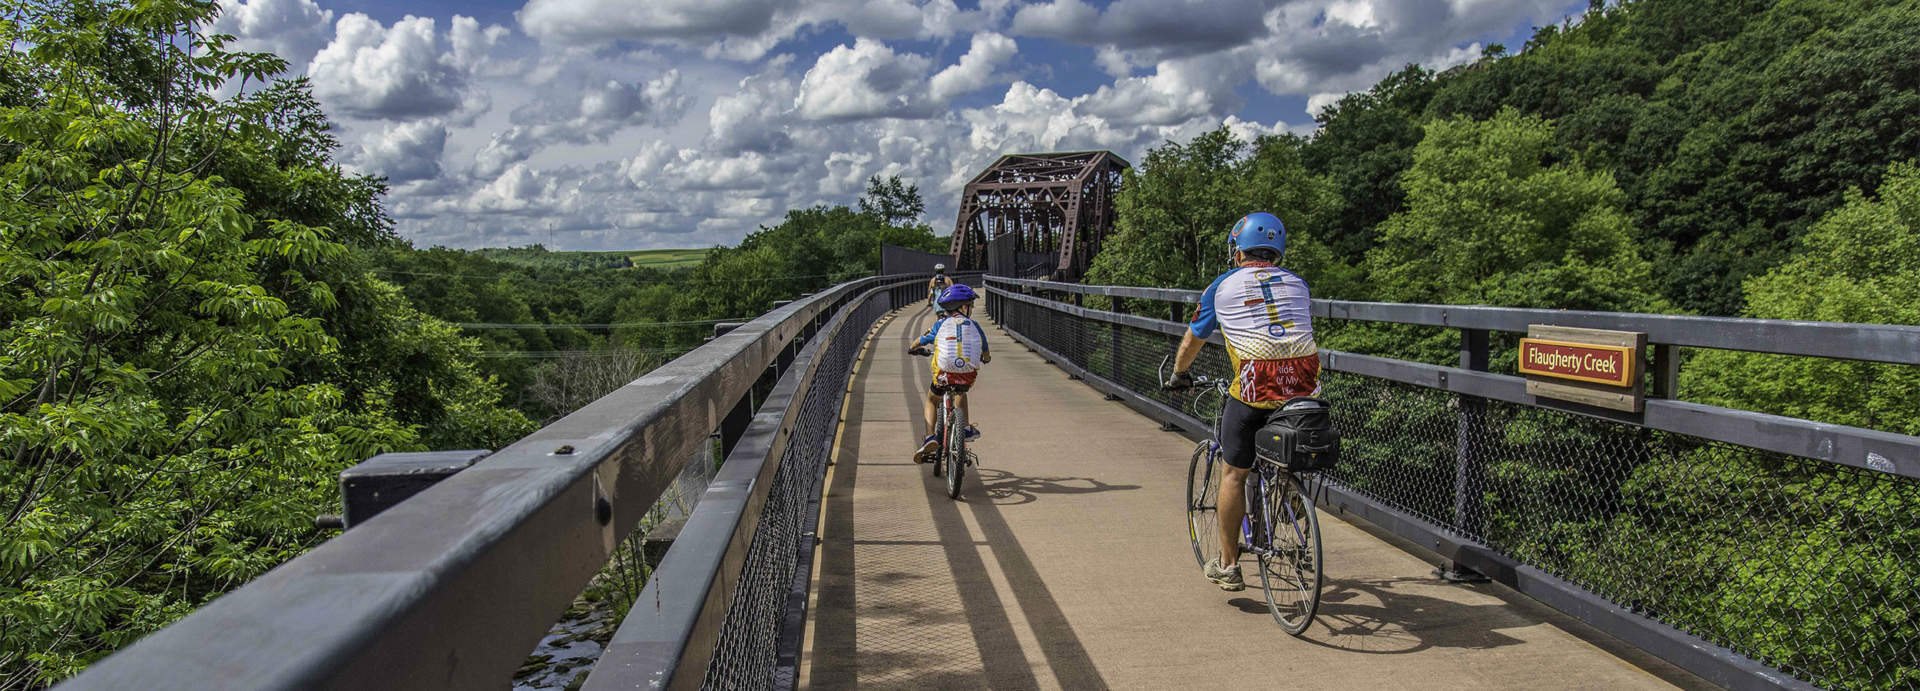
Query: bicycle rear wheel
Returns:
{"type": "Point", "coordinates": [1203, 498]}
{"type": "Point", "coordinates": [956, 453]}
{"type": "Point", "coordinates": [1291, 572]}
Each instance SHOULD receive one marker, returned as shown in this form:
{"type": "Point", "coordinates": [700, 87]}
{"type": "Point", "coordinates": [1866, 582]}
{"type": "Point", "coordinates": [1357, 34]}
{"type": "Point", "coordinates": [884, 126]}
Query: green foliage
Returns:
{"type": "Point", "coordinates": [1860, 263]}
{"type": "Point", "coordinates": [550, 370]}
{"type": "Point", "coordinates": [1497, 214]}
{"type": "Point", "coordinates": [1174, 212]}
{"type": "Point", "coordinates": [1365, 141]}
{"type": "Point", "coordinates": [190, 347]}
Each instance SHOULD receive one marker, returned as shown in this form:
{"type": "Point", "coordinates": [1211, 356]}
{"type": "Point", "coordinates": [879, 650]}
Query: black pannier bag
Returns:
{"type": "Point", "coordinates": [1300, 437]}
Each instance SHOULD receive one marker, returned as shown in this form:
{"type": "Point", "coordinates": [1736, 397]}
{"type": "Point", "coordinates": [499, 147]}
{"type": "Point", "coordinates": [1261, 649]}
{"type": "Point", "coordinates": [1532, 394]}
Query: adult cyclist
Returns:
{"type": "Point", "coordinates": [1265, 315]}
{"type": "Point", "coordinates": [959, 348]}
{"type": "Point", "coordinates": [936, 285]}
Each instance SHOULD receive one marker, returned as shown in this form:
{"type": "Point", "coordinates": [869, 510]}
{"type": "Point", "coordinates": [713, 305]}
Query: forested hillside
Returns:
{"type": "Point", "coordinates": [203, 319]}
{"type": "Point", "coordinates": [1722, 157]}
{"type": "Point", "coordinates": [1711, 135]}
{"type": "Point", "coordinates": [560, 329]}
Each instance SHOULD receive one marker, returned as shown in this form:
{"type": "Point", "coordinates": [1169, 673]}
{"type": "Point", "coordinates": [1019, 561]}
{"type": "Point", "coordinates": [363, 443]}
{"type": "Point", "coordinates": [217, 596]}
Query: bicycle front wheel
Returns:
{"type": "Point", "coordinates": [956, 453]}
{"type": "Point", "coordinates": [1290, 571]}
{"type": "Point", "coordinates": [1203, 499]}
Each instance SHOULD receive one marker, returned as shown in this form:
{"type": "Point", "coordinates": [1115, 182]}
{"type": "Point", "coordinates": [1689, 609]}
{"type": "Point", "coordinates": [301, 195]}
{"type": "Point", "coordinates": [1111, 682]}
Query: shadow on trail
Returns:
{"type": "Point", "coordinates": [1394, 621]}
{"type": "Point", "coordinates": [1072, 667]}
{"type": "Point", "coordinates": [1007, 489]}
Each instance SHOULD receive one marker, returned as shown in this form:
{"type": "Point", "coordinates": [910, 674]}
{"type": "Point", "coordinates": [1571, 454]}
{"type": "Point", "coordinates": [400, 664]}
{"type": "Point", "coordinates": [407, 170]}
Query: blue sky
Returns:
{"type": "Point", "coordinates": [628, 124]}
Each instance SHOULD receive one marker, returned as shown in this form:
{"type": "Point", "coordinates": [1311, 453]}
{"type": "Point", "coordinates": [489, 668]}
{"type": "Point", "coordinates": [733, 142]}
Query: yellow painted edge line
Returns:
{"type": "Point", "coordinates": [826, 482]}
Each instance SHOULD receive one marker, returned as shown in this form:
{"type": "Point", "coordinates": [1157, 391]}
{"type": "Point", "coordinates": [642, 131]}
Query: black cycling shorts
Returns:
{"type": "Point", "coordinates": [1239, 423]}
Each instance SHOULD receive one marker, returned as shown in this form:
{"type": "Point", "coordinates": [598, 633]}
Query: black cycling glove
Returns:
{"type": "Point", "coordinates": [1179, 381]}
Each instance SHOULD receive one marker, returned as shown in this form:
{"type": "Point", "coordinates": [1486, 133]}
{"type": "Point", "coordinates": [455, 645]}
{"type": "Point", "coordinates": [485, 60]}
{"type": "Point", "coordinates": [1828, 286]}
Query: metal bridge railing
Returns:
{"type": "Point", "coordinates": [452, 587]}
{"type": "Point", "coordinates": [1754, 550]}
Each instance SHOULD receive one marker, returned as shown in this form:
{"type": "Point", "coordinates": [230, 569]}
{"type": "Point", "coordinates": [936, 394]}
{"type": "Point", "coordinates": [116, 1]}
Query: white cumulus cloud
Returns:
{"type": "Point", "coordinates": [405, 71]}
{"type": "Point", "coordinates": [404, 153]}
{"type": "Point", "coordinates": [864, 80]}
{"type": "Point", "coordinates": [976, 69]}
{"type": "Point", "coordinates": [293, 29]}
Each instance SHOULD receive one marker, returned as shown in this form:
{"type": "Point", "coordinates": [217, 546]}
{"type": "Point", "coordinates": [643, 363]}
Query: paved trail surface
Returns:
{"type": "Point", "coordinates": [1066, 565]}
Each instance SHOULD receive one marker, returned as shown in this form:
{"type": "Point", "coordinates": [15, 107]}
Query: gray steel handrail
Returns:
{"type": "Point", "coordinates": [451, 588]}
{"type": "Point", "coordinates": [1886, 452]}
{"type": "Point", "coordinates": [1888, 343]}
{"type": "Point", "coordinates": [667, 639]}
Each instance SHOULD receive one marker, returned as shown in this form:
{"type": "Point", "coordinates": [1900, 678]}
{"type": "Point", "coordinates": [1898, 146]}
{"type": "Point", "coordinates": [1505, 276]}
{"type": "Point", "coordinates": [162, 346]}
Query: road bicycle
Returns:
{"type": "Point", "coordinates": [950, 431]}
{"type": "Point", "coordinates": [1280, 527]}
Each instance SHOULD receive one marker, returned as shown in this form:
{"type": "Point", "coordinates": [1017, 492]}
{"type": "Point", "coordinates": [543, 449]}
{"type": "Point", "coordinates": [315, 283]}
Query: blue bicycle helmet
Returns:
{"type": "Point", "coordinates": [958, 292]}
{"type": "Point", "coordinates": [1259, 229]}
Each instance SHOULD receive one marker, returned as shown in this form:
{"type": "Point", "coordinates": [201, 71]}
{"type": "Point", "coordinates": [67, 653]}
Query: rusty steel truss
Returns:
{"type": "Point", "coordinates": [1056, 203]}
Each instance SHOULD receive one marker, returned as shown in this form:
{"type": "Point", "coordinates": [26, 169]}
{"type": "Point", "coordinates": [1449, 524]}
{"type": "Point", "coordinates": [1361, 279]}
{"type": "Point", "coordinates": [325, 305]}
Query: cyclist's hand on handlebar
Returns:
{"type": "Point", "coordinates": [986, 358]}
{"type": "Point", "coordinates": [921, 351]}
{"type": "Point", "coordinates": [1180, 381]}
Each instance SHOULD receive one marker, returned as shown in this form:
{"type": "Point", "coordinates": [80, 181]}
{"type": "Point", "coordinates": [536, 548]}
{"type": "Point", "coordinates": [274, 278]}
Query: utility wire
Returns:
{"type": "Point", "coordinates": [611, 325]}
{"type": "Point", "coordinates": [555, 354]}
{"type": "Point", "coordinates": [607, 279]}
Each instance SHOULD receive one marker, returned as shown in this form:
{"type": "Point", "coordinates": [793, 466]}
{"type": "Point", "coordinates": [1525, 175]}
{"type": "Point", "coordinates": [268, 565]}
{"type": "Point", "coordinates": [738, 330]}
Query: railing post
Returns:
{"type": "Point", "coordinates": [1113, 346]}
{"type": "Point", "coordinates": [735, 423]}
{"type": "Point", "coordinates": [1470, 463]}
{"type": "Point", "coordinates": [1666, 371]}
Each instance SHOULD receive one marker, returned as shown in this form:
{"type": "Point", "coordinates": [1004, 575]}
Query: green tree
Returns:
{"type": "Point", "coordinates": [893, 202]}
{"type": "Point", "coordinates": [1175, 209]}
{"type": "Point", "coordinates": [190, 348]}
{"type": "Point", "coordinates": [1365, 142]}
{"type": "Point", "coordinates": [1860, 263]}
{"type": "Point", "coordinates": [1498, 214]}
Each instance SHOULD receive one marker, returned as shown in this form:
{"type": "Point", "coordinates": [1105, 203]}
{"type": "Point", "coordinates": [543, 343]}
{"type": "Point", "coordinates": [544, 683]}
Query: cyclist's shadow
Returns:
{"type": "Point", "coordinates": [1002, 487]}
{"type": "Point", "coordinates": [1401, 621]}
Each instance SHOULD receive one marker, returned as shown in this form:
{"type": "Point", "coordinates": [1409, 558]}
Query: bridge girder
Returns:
{"type": "Point", "coordinates": [1059, 203]}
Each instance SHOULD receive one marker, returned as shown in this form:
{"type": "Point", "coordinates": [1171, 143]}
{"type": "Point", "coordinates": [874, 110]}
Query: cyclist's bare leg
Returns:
{"type": "Point", "coordinates": [1232, 508]}
{"type": "Point", "coordinates": [933, 403]}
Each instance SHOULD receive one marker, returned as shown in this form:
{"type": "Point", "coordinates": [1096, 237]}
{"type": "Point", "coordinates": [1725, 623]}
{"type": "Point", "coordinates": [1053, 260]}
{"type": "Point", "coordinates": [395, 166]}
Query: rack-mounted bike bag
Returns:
{"type": "Point", "coordinates": [1300, 436]}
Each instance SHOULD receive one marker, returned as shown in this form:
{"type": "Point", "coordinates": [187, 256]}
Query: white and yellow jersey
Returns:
{"type": "Point", "coordinates": [1266, 318]}
{"type": "Point", "coordinates": [958, 343]}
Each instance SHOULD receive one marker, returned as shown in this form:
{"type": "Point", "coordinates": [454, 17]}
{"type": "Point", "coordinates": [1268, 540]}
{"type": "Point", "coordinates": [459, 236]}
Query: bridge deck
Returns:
{"type": "Point", "coordinates": [1066, 565]}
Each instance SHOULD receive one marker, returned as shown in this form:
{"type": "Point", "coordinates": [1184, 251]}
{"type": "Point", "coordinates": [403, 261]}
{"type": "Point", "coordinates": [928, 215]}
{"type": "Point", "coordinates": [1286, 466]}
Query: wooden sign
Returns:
{"type": "Point", "coordinates": [1589, 366]}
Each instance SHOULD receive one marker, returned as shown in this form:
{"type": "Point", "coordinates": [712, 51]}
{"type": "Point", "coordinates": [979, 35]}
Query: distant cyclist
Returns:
{"type": "Point", "coordinates": [939, 283]}
{"type": "Point", "coordinates": [1265, 315]}
{"type": "Point", "coordinates": [959, 348]}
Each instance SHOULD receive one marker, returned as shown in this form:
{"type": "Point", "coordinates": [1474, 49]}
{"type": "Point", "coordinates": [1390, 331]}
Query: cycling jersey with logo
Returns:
{"type": "Point", "coordinates": [1266, 317]}
{"type": "Point", "coordinates": [957, 342]}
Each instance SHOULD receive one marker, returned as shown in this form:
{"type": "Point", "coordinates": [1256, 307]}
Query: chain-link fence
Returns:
{"type": "Point", "coordinates": [1804, 565]}
{"type": "Point", "coordinates": [747, 653]}
{"type": "Point", "coordinates": [728, 602]}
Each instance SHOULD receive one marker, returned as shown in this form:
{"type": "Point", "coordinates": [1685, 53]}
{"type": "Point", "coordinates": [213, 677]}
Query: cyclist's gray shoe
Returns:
{"type": "Point", "coordinates": [1227, 578]}
{"type": "Point", "coordinates": [927, 449]}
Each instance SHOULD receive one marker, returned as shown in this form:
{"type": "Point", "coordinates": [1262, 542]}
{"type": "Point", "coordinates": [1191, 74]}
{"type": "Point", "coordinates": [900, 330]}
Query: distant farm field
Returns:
{"type": "Point", "coordinates": [540, 258]}
{"type": "Point", "coordinates": [666, 259]}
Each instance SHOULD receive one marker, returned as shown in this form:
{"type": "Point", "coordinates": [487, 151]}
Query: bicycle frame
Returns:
{"type": "Point", "coordinates": [1264, 476]}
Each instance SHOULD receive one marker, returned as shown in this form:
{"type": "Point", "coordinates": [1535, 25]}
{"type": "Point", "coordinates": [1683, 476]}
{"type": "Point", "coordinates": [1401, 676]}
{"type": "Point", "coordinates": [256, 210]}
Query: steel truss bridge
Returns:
{"type": "Point", "coordinates": [820, 556]}
{"type": "Point", "coordinates": [1044, 214]}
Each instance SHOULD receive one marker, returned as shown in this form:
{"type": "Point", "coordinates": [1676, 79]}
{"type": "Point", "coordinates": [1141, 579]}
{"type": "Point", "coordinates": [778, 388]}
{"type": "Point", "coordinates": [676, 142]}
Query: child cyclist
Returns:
{"type": "Point", "coordinates": [958, 346]}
